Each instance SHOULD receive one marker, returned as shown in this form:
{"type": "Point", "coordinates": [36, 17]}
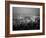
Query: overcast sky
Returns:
{"type": "Point", "coordinates": [23, 11]}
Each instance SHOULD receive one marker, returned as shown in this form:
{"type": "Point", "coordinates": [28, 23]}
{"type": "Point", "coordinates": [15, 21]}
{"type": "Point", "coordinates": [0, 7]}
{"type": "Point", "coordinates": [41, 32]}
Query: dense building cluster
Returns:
{"type": "Point", "coordinates": [26, 23]}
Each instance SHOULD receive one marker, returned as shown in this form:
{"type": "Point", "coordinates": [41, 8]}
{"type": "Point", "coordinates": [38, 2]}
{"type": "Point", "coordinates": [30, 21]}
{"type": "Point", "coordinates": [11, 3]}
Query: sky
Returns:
{"type": "Point", "coordinates": [24, 11]}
